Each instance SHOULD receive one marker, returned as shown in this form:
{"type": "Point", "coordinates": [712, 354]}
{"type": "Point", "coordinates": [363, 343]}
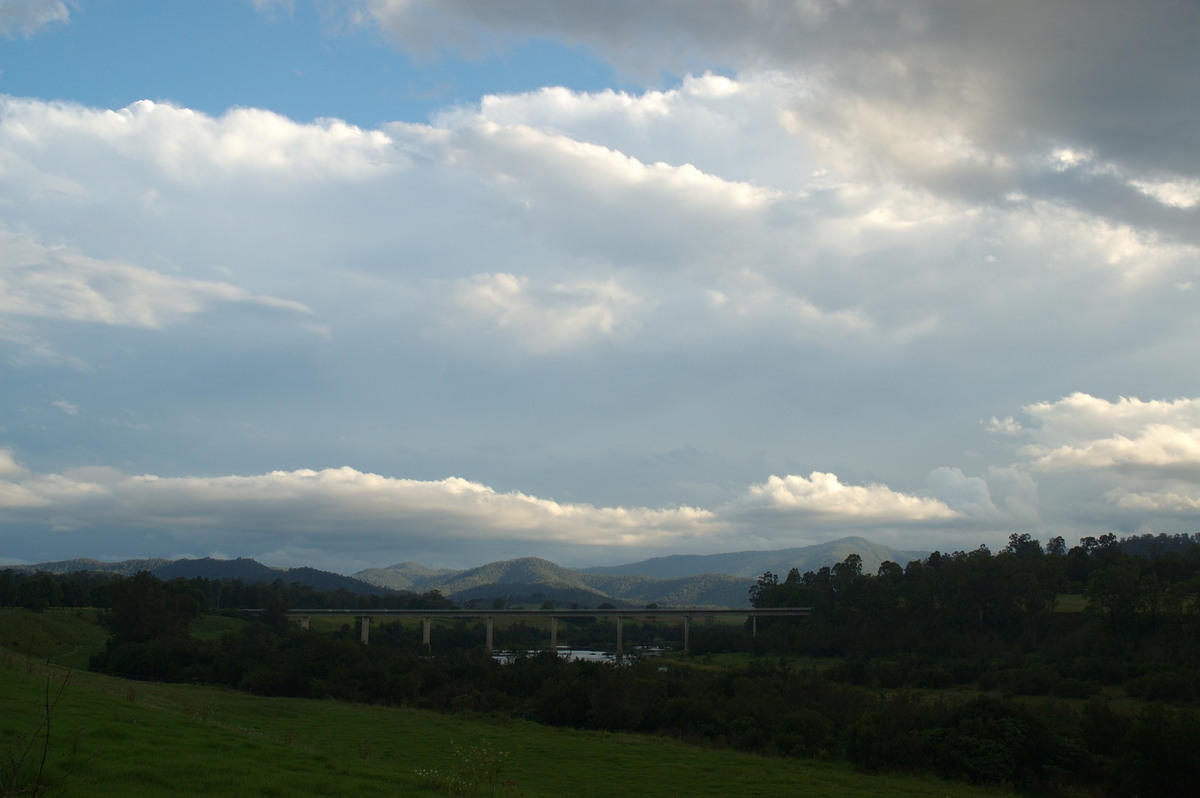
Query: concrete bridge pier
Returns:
{"type": "Point", "coordinates": [488, 644]}
{"type": "Point", "coordinates": [365, 629]}
{"type": "Point", "coordinates": [685, 635]}
{"type": "Point", "coordinates": [620, 648]}
{"type": "Point", "coordinates": [304, 623]}
{"type": "Point", "coordinates": [554, 634]}
{"type": "Point", "coordinates": [425, 631]}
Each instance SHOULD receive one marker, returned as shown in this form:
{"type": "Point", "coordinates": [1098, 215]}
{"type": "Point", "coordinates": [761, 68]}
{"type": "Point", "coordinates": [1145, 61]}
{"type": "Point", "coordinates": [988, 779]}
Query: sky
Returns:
{"type": "Point", "coordinates": [347, 283]}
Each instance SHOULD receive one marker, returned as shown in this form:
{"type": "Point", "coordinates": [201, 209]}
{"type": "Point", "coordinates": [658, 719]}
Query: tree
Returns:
{"type": "Point", "coordinates": [761, 591]}
{"type": "Point", "coordinates": [143, 610]}
{"type": "Point", "coordinates": [1116, 590]}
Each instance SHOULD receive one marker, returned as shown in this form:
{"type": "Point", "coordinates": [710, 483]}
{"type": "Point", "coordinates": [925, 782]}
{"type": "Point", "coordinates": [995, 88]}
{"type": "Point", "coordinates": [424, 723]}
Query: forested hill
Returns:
{"type": "Point", "coordinates": [752, 564]}
{"type": "Point", "coordinates": [529, 579]}
{"type": "Point", "coordinates": [404, 576]}
{"type": "Point", "coordinates": [252, 571]}
{"type": "Point", "coordinates": [718, 580]}
{"type": "Point", "coordinates": [121, 568]}
{"type": "Point", "coordinates": [247, 570]}
{"type": "Point", "coordinates": [524, 570]}
{"type": "Point", "coordinates": [702, 590]}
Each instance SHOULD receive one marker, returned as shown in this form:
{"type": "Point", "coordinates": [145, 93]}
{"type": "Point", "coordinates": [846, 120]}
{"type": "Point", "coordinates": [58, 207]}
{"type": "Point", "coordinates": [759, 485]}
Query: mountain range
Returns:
{"type": "Point", "coordinates": [682, 580]}
{"type": "Point", "coordinates": [753, 564]}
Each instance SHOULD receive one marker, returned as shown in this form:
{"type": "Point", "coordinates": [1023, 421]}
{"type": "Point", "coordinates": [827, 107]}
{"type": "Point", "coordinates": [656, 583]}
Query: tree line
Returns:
{"type": "Point", "coordinates": [1137, 590]}
{"type": "Point", "coordinates": [41, 590]}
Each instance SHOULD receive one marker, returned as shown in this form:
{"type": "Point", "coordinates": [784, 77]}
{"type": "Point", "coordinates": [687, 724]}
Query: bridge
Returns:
{"type": "Point", "coordinates": [489, 615]}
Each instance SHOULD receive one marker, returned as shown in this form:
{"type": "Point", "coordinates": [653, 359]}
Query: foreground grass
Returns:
{"type": "Point", "coordinates": [120, 738]}
{"type": "Point", "coordinates": [113, 737]}
{"type": "Point", "coordinates": [63, 636]}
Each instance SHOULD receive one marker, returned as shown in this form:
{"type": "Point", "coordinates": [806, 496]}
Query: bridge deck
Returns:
{"type": "Point", "coordinates": [672, 612]}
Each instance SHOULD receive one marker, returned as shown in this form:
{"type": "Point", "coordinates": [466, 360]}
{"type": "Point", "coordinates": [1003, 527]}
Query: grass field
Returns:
{"type": "Point", "coordinates": [112, 737]}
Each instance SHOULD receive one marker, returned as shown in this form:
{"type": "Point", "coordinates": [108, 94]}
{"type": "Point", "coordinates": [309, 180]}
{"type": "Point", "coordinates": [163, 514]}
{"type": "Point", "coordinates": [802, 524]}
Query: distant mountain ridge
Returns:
{"type": "Point", "coordinates": [123, 567]}
{"type": "Point", "coordinates": [752, 564]}
{"type": "Point", "coordinates": [693, 580]}
{"type": "Point", "coordinates": [681, 580]}
{"type": "Point", "coordinates": [246, 569]}
{"type": "Point", "coordinates": [532, 578]}
{"type": "Point", "coordinates": [402, 576]}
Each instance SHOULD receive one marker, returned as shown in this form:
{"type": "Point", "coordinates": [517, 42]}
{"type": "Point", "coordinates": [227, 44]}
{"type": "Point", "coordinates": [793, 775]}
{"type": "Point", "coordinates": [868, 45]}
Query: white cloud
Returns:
{"type": "Point", "coordinates": [26, 16]}
{"type": "Point", "coordinates": [822, 497]}
{"type": "Point", "coordinates": [577, 186]}
{"type": "Point", "coordinates": [539, 319]}
{"type": "Point", "coordinates": [961, 100]}
{"type": "Point", "coordinates": [1184, 501]}
{"type": "Point", "coordinates": [747, 249]}
{"type": "Point", "coordinates": [1183, 194]}
{"type": "Point", "coordinates": [335, 504]}
{"type": "Point", "coordinates": [737, 129]}
{"type": "Point", "coordinates": [9, 467]}
{"type": "Point", "coordinates": [1159, 446]}
{"type": "Point", "coordinates": [1132, 464]}
{"type": "Point", "coordinates": [58, 282]}
{"type": "Point", "coordinates": [1007, 426]}
{"type": "Point", "coordinates": [14, 494]}
{"type": "Point", "coordinates": [330, 507]}
{"type": "Point", "coordinates": [244, 146]}
{"type": "Point", "coordinates": [969, 496]}
{"type": "Point", "coordinates": [1006, 498]}
{"type": "Point", "coordinates": [1081, 420]}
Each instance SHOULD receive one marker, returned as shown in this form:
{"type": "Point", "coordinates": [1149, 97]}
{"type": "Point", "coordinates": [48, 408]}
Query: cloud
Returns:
{"type": "Point", "coordinates": [767, 242]}
{"type": "Point", "coordinates": [822, 497]}
{"type": "Point", "coordinates": [335, 504]}
{"type": "Point", "coordinates": [1082, 417]}
{"type": "Point", "coordinates": [539, 319]}
{"type": "Point", "coordinates": [828, 239]}
{"type": "Point", "coordinates": [244, 146]}
{"type": "Point", "coordinates": [13, 494]}
{"type": "Point", "coordinates": [594, 239]}
{"type": "Point", "coordinates": [966, 495]}
{"type": "Point", "coordinates": [732, 128]}
{"type": "Point", "coordinates": [1182, 194]}
{"type": "Point", "coordinates": [1158, 446]}
{"type": "Point", "coordinates": [58, 282]}
{"type": "Point", "coordinates": [1007, 426]}
{"type": "Point", "coordinates": [9, 467]}
{"type": "Point", "coordinates": [1083, 432]}
{"type": "Point", "coordinates": [329, 508]}
{"type": "Point", "coordinates": [962, 99]}
{"type": "Point", "coordinates": [25, 17]}
{"type": "Point", "coordinates": [1185, 502]}
{"type": "Point", "coordinates": [1138, 461]}
{"type": "Point", "coordinates": [593, 196]}
{"type": "Point", "coordinates": [1005, 498]}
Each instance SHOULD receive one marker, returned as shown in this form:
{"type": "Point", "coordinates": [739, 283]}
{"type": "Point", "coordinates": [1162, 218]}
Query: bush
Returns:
{"type": "Point", "coordinates": [1175, 686]}
{"type": "Point", "coordinates": [1074, 688]}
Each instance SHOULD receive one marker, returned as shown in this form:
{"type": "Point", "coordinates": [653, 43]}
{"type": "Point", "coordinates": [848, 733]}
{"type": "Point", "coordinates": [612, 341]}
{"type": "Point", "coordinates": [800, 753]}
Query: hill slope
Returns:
{"type": "Point", "coordinates": [701, 590]}
{"type": "Point", "coordinates": [527, 578]}
{"type": "Point", "coordinates": [123, 567]}
{"type": "Point", "coordinates": [245, 569]}
{"type": "Point", "coordinates": [403, 576]}
{"type": "Point", "coordinates": [752, 564]}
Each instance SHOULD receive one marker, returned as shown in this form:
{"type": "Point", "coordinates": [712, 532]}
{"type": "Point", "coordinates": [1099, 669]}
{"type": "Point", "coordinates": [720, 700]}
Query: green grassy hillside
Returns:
{"type": "Point", "coordinates": [121, 738]}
